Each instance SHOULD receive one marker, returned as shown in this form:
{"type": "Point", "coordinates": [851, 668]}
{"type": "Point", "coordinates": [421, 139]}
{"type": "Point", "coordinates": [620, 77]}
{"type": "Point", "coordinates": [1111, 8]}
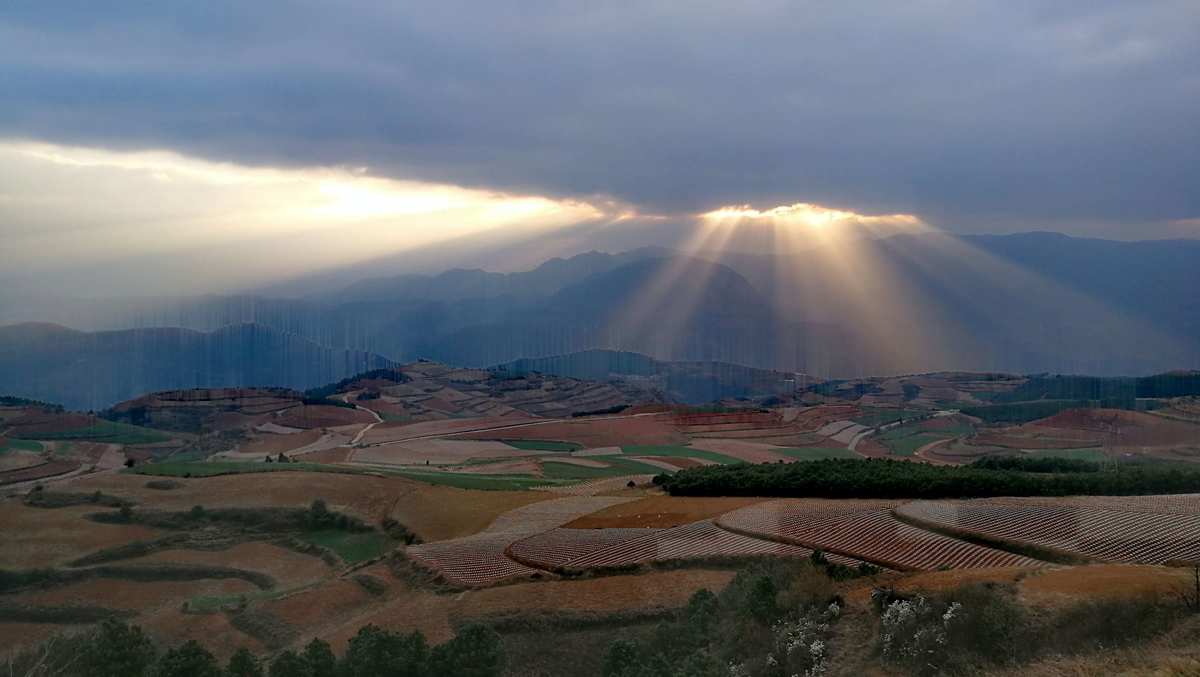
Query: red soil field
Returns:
{"type": "Point", "coordinates": [865, 530]}
{"type": "Point", "coordinates": [37, 472]}
{"type": "Point", "coordinates": [594, 432]}
{"type": "Point", "coordinates": [660, 512]}
{"type": "Point", "coordinates": [142, 596]}
{"type": "Point", "coordinates": [479, 560]}
{"type": "Point", "coordinates": [322, 416]}
{"type": "Point", "coordinates": [273, 444]}
{"type": "Point", "coordinates": [1088, 530]}
{"type": "Point", "coordinates": [582, 549]}
{"type": "Point", "coordinates": [35, 421]}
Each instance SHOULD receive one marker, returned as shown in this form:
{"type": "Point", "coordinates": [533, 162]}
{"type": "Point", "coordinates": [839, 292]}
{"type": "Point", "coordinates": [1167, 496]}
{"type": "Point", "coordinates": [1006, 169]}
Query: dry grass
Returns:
{"type": "Point", "coordinates": [290, 569]}
{"type": "Point", "coordinates": [36, 537]}
{"type": "Point", "coordinates": [1065, 585]}
{"type": "Point", "coordinates": [273, 444]}
{"type": "Point", "coordinates": [660, 512]}
{"type": "Point", "coordinates": [143, 597]}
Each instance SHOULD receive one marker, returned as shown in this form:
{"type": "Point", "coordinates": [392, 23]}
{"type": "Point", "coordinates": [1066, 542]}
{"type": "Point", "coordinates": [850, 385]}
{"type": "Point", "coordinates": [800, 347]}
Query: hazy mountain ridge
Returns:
{"type": "Point", "coordinates": [93, 370]}
{"type": "Point", "coordinates": [903, 304]}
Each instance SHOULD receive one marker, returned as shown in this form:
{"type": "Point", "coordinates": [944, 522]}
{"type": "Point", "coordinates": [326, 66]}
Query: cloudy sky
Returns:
{"type": "Point", "coordinates": [266, 138]}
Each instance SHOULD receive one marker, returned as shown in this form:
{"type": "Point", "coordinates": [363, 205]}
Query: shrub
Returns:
{"type": "Point", "coordinates": [189, 660]}
{"type": "Point", "coordinates": [375, 652]}
{"type": "Point", "coordinates": [319, 659]}
{"type": "Point", "coordinates": [117, 650]}
{"type": "Point", "coordinates": [243, 664]}
{"type": "Point", "coordinates": [476, 651]}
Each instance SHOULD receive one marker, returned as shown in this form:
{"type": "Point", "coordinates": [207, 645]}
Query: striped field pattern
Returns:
{"type": "Point", "coordinates": [579, 549]}
{"type": "Point", "coordinates": [865, 530]}
{"type": "Point", "coordinates": [1127, 532]}
{"type": "Point", "coordinates": [479, 560]}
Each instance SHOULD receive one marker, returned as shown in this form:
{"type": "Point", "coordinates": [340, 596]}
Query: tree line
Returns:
{"type": "Point", "coordinates": [886, 478]}
{"type": "Point", "coordinates": [117, 649]}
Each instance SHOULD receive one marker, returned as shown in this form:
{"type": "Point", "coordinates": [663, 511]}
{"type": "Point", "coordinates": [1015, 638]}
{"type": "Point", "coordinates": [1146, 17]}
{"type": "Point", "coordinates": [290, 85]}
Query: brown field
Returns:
{"type": "Point", "coordinates": [170, 626]}
{"type": "Point", "coordinates": [390, 431]}
{"type": "Point", "coordinates": [273, 444]}
{"type": "Point", "coordinates": [17, 636]}
{"type": "Point", "coordinates": [652, 590]}
{"type": "Point", "coordinates": [289, 569]}
{"type": "Point", "coordinates": [433, 512]}
{"type": "Point", "coordinates": [1093, 428]}
{"type": "Point", "coordinates": [594, 432]}
{"type": "Point", "coordinates": [441, 513]}
{"type": "Point", "coordinates": [660, 511]}
{"type": "Point", "coordinates": [18, 459]}
{"type": "Point", "coordinates": [38, 537]}
{"type": "Point", "coordinates": [1103, 580]}
{"type": "Point", "coordinates": [131, 595]}
{"type": "Point", "coordinates": [37, 472]}
{"type": "Point", "coordinates": [35, 421]}
{"type": "Point", "coordinates": [435, 615]}
{"type": "Point", "coordinates": [309, 416]}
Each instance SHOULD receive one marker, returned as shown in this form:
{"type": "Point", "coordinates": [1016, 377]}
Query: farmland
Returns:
{"type": "Point", "coordinates": [488, 504]}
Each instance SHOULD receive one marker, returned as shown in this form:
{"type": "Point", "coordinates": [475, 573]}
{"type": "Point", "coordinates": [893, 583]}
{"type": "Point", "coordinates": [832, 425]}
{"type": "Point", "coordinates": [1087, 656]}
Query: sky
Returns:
{"type": "Point", "coordinates": [218, 145]}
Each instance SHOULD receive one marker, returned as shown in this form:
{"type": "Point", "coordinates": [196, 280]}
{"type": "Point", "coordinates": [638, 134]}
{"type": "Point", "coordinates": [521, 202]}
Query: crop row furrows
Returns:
{"type": "Point", "coordinates": [599, 548]}
{"type": "Point", "coordinates": [871, 533]}
{"type": "Point", "coordinates": [479, 560]}
{"type": "Point", "coordinates": [471, 562]}
{"type": "Point", "coordinates": [1104, 534]}
{"type": "Point", "coordinates": [1181, 504]}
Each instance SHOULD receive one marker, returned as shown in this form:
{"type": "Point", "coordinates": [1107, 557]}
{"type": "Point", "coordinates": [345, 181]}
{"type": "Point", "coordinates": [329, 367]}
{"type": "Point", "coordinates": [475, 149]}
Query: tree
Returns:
{"type": "Point", "coordinates": [289, 664]}
{"type": "Point", "coordinates": [117, 650]}
{"type": "Point", "coordinates": [760, 601]}
{"type": "Point", "coordinates": [319, 658]}
{"type": "Point", "coordinates": [243, 664]}
{"type": "Point", "coordinates": [189, 660]}
{"type": "Point", "coordinates": [701, 612]}
{"type": "Point", "coordinates": [623, 659]}
{"type": "Point", "coordinates": [476, 651]}
{"type": "Point", "coordinates": [375, 652]}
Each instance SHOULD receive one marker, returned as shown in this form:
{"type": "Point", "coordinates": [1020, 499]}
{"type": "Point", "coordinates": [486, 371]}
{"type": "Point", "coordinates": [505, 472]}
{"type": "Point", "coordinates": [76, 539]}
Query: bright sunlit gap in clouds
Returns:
{"type": "Point", "coordinates": [64, 206]}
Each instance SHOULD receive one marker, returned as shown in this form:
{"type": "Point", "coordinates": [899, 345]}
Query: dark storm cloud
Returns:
{"type": "Point", "coordinates": [971, 114]}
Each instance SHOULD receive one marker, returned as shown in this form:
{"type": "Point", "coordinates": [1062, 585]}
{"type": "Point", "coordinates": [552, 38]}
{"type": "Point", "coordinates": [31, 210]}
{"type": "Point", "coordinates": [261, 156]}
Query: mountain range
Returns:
{"type": "Point", "coordinates": [1027, 303]}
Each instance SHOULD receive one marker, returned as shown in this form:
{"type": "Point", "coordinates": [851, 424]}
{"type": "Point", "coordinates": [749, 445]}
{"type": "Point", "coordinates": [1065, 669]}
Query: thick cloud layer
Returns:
{"type": "Point", "coordinates": [987, 115]}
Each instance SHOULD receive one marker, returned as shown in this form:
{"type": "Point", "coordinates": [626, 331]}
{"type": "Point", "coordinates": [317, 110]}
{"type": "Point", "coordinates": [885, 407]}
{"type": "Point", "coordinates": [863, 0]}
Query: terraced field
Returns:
{"type": "Point", "coordinates": [1142, 530]}
{"type": "Point", "coordinates": [864, 530]}
{"type": "Point", "coordinates": [584, 549]}
{"type": "Point", "coordinates": [479, 560]}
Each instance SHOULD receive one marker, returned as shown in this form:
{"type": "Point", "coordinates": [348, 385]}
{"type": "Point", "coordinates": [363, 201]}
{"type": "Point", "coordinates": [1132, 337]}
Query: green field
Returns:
{"type": "Point", "coordinates": [198, 469]}
{"type": "Point", "coordinates": [351, 547]}
{"type": "Point", "coordinates": [211, 604]}
{"type": "Point", "coordinates": [544, 445]}
{"type": "Point", "coordinates": [1093, 454]}
{"type": "Point", "coordinates": [20, 445]}
{"type": "Point", "coordinates": [816, 453]}
{"type": "Point", "coordinates": [473, 481]}
{"type": "Point", "coordinates": [876, 417]}
{"type": "Point", "coordinates": [906, 439]}
{"type": "Point", "coordinates": [617, 466]}
{"type": "Point", "coordinates": [678, 452]}
{"type": "Point", "coordinates": [107, 432]}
